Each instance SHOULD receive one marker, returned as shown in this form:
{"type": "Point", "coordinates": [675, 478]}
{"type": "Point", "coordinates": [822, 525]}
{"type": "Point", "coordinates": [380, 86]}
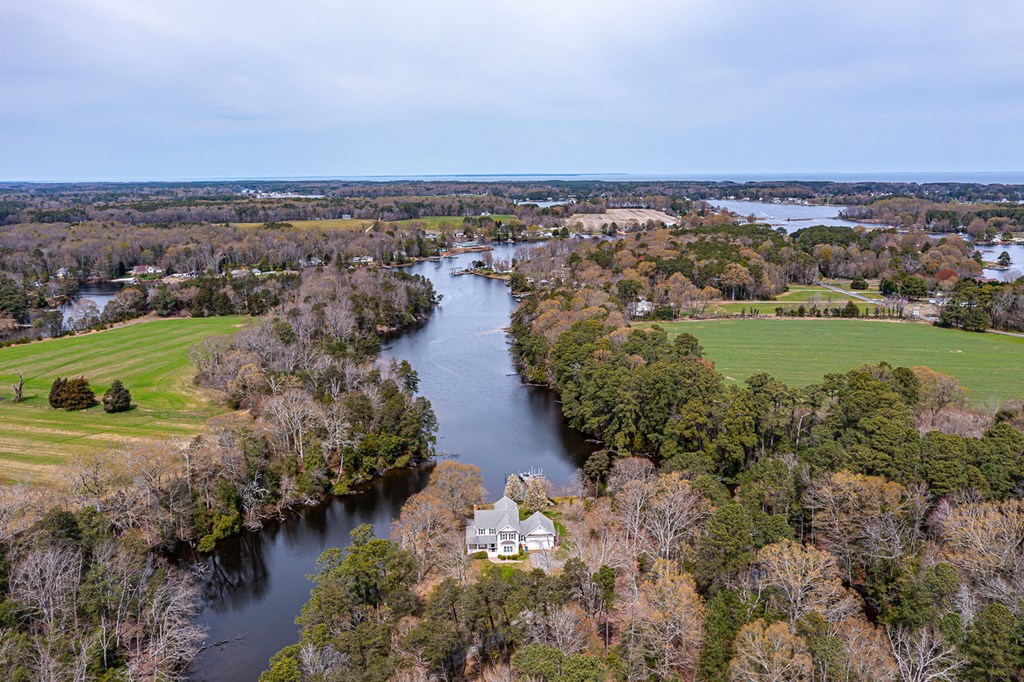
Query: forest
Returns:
{"type": "Point", "coordinates": [87, 587]}
{"type": "Point", "coordinates": [870, 532]}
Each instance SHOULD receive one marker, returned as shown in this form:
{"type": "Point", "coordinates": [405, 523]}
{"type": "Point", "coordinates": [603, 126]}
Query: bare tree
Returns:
{"type": "Point", "coordinates": [770, 653]}
{"type": "Point", "coordinates": [924, 655]}
{"type": "Point", "coordinates": [18, 386]}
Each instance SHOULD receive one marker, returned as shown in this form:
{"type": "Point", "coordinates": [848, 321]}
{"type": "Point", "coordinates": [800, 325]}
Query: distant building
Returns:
{"type": "Point", "coordinates": [362, 260]}
{"type": "Point", "coordinates": [141, 270]}
{"type": "Point", "coordinates": [499, 531]}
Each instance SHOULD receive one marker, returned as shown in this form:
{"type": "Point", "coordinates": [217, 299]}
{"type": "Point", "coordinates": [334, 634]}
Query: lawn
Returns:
{"type": "Point", "coordinates": [799, 352]}
{"type": "Point", "coordinates": [151, 358]}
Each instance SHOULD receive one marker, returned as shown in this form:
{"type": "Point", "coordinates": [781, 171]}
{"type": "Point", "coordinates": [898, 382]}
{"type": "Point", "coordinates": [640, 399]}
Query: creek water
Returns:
{"type": "Point", "coordinates": [255, 584]}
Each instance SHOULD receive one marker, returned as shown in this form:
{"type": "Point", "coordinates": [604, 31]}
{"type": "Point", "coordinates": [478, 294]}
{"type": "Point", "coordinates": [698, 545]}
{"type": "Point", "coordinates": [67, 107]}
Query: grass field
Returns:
{"type": "Point", "coordinates": [339, 224]}
{"type": "Point", "coordinates": [431, 222]}
{"type": "Point", "coordinates": [151, 358]}
{"type": "Point", "coordinates": [799, 352]}
{"type": "Point", "coordinates": [799, 295]}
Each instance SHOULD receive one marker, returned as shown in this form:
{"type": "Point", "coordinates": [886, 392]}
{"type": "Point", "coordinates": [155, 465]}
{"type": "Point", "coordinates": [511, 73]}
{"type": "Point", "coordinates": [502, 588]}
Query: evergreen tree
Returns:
{"type": "Point", "coordinates": [57, 393]}
{"type": "Point", "coordinates": [77, 395]}
{"type": "Point", "coordinates": [514, 487]}
{"type": "Point", "coordinates": [535, 498]}
{"type": "Point", "coordinates": [117, 398]}
{"type": "Point", "coordinates": [993, 645]}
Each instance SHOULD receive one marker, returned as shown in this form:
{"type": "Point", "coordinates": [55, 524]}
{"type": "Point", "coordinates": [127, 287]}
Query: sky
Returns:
{"type": "Point", "coordinates": [201, 89]}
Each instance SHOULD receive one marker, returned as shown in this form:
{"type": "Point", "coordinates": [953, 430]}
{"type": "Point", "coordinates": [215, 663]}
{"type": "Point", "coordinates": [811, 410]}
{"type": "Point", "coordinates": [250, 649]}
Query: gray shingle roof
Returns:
{"type": "Point", "coordinates": [504, 515]}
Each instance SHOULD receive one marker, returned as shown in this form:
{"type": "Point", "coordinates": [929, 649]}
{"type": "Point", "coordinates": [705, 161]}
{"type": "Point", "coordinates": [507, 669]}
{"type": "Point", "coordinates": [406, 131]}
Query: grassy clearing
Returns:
{"type": "Point", "coordinates": [431, 223]}
{"type": "Point", "coordinates": [435, 222]}
{"type": "Point", "coordinates": [151, 358]}
{"type": "Point", "coordinates": [800, 295]}
{"type": "Point", "coordinates": [800, 352]}
{"type": "Point", "coordinates": [338, 224]}
{"type": "Point", "coordinates": [810, 293]}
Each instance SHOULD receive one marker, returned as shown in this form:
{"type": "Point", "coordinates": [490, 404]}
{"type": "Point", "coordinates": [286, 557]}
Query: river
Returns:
{"type": "Point", "coordinates": [255, 584]}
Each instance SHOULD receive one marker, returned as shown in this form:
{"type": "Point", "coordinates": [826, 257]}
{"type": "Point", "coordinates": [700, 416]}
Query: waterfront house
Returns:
{"type": "Point", "coordinates": [499, 532]}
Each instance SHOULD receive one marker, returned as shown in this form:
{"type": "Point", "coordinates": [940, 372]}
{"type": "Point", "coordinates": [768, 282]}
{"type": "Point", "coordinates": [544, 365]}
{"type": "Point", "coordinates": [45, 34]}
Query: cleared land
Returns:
{"type": "Point", "coordinates": [339, 224]}
{"type": "Point", "coordinates": [800, 352]}
{"type": "Point", "coordinates": [802, 295]}
{"type": "Point", "coordinates": [592, 222]}
{"type": "Point", "coordinates": [151, 358]}
{"type": "Point", "coordinates": [430, 222]}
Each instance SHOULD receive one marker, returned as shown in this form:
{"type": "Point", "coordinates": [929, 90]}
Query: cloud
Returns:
{"type": "Point", "coordinates": [127, 89]}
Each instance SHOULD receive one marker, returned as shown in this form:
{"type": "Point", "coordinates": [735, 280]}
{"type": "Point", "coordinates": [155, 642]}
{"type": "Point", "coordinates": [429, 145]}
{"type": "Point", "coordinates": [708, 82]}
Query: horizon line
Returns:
{"type": "Point", "coordinates": [738, 176]}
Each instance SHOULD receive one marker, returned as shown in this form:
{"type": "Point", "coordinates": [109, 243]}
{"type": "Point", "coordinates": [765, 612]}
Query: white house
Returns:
{"type": "Point", "coordinates": [499, 531]}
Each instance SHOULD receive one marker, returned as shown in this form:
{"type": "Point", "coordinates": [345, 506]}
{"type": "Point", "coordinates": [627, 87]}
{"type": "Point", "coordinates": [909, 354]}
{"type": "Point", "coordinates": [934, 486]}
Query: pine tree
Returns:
{"type": "Point", "coordinates": [57, 393]}
{"type": "Point", "coordinates": [992, 646]}
{"type": "Point", "coordinates": [77, 395]}
{"type": "Point", "coordinates": [117, 398]}
{"type": "Point", "coordinates": [514, 487]}
{"type": "Point", "coordinates": [535, 498]}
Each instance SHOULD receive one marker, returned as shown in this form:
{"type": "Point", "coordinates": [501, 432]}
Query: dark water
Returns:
{"type": "Point", "coordinates": [100, 294]}
{"type": "Point", "coordinates": [256, 583]}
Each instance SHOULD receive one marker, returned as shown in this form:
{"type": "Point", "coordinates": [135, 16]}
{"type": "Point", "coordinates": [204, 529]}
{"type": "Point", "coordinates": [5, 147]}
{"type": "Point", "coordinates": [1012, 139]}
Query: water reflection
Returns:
{"type": "Point", "coordinates": [256, 583]}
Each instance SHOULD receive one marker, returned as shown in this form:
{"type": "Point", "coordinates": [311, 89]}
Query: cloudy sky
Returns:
{"type": "Point", "coordinates": [177, 89]}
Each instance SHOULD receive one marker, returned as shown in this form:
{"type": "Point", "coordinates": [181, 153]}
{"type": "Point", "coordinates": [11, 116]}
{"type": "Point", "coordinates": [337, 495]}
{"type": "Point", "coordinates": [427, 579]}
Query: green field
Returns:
{"type": "Point", "coordinates": [430, 222]}
{"type": "Point", "coordinates": [797, 296]}
{"type": "Point", "coordinates": [339, 224]}
{"type": "Point", "coordinates": [810, 293]}
{"type": "Point", "coordinates": [434, 222]}
{"type": "Point", "coordinates": [799, 352]}
{"type": "Point", "coordinates": [151, 358]}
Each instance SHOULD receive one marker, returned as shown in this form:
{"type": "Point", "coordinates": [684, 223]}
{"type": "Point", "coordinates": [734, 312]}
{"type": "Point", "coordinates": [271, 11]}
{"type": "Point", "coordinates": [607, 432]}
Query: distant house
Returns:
{"type": "Point", "coordinates": [362, 260]}
{"type": "Point", "coordinates": [467, 245]}
{"type": "Point", "coordinates": [499, 531]}
{"type": "Point", "coordinates": [142, 270]}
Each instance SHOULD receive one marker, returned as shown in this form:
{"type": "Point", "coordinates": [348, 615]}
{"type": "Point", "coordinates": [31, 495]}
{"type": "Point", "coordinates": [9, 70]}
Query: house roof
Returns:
{"type": "Point", "coordinates": [505, 515]}
{"type": "Point", "coordinates": [537, 522]}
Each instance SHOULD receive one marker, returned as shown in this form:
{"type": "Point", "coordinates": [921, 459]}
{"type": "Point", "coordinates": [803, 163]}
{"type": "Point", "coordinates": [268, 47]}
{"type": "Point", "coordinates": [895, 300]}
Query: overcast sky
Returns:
{"type": "Point", "coordinates": [138, 89]}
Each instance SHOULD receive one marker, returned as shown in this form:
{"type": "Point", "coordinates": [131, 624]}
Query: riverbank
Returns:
{"type": "Point", "coordinates": [255, 583]}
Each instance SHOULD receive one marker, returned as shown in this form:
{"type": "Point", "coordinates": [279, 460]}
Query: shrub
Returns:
{"type": "Point", "coordinates": [482, 554]}
{"type": "Point", "coordinates": [117, 398]}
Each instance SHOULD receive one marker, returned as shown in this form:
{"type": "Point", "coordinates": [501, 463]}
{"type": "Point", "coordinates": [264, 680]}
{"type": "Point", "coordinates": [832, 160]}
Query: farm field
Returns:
{"type": "Point", "coordinates": [430, 222]}
{"type": "Point", "coordinates": [593, 221]}
{"type": "Point", "coordinates": [151, 358]}
{"type": "Point", "coordinates": [434, 222]}
{"type": "Point", "coordinates": [800, 352]}
{"type": "Point", "coordinates": [338, 224]}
